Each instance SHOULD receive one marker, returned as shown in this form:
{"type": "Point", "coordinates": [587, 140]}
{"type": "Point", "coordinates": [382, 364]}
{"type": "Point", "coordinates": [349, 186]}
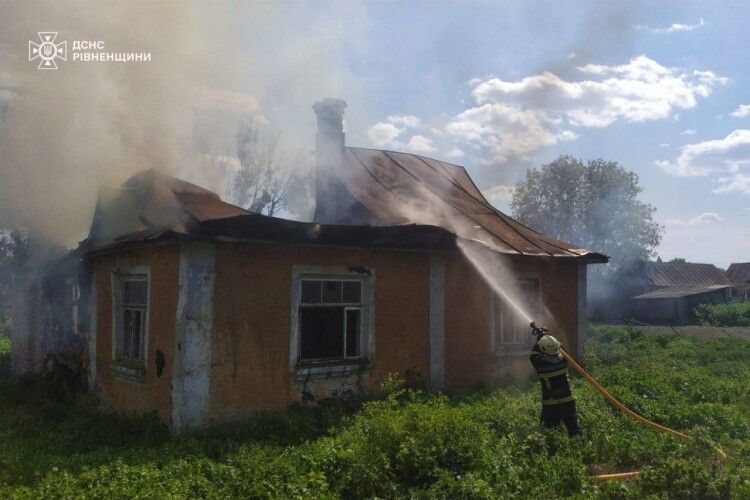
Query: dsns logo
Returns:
{"type": "Point", "coordinates": [47, 51]}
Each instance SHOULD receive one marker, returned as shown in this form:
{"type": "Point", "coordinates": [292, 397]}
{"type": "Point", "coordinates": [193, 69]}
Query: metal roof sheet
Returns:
{"type": "Point", "coordinates": [403, 188]}
{"type": "Point", "coordinates": [739, 272]}
{"type": "Point", "coordinates": [259, 228]}
{"type": "Point", "coordinates": [678, 291]}
{"type": "Point", "coordinates": [151, 201]}
{"type": "Point", "coordinates": [683, 274]}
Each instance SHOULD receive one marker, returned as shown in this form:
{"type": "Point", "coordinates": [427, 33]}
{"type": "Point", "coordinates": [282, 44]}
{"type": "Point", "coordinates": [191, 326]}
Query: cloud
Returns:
{"type": "Point", "coordinates": [718, 155]}
{"type": "Point", "coordinates": [454, 153]}
{"type": "Point", "coordinates": [737, 182]}
{"type": "Point", "coordinates": [405, 120]}
{"type": "Point", "coordinates": [383, 134]}
{"type": "Point", "coordinates": [742, 111]}
{"type": "Point", "coordinates": [672, 28]}
{"type": "Point", "coordinates": [507, 132]}
{"type": "Point", "coordinates": [499, 195]}
{"type": "Point", "coordinates": [704, 218]}
{"type": "Point", "coordinates": [513, 119]}
{"type": "Point", "coordinates": [690, 131]}
{"type": "Point", "coordinates": [664, 145]}
{"type": "Point", "coordinates": [420, 144]}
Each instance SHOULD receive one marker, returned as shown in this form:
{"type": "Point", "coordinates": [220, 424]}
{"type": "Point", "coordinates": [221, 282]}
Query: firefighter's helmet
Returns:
{"type": "Point", "coordinates": [549, 345]}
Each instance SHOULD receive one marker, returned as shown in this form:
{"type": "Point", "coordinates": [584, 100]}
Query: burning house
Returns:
{"type": "Point", "coordinates": [205, 312]}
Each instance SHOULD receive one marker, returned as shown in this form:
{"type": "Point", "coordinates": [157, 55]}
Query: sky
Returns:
{"type": "Point", "coordinates": [663, 88]}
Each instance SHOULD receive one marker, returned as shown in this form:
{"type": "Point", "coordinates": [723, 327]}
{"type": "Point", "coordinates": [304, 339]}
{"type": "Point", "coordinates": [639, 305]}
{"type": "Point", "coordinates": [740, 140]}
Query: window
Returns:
{"type": "Point", "coordinates": [330, 319]}
{"type": "Point", "coordinates": [511, 329]}
{"type": "Point", "coordinates": [132, 320]}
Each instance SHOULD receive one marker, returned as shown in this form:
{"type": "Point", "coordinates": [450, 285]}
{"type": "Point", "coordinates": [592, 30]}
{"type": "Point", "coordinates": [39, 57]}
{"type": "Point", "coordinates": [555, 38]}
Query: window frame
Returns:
{"type": "Point", "coordinates": [345, 306]}
{"type": "Point", "coordinates": [522, 341]}
{"type": "Point", "coordinates": [346, 364]}
{"type": "Point", "coordinates": [133, 369]}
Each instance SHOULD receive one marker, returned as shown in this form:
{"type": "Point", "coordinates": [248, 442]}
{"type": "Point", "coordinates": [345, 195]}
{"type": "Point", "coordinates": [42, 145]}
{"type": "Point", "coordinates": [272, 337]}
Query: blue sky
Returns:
{"type": "Point", "coordinates": [498, 87]}
{"type": "Point", "coordinates": [431, 60]}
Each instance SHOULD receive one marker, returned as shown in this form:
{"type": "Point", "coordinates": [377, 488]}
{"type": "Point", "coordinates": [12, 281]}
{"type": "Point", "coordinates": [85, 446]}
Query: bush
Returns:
{"type": "Point", "coordinates": [411, 444]}
{"type": "Point", "coordinates": [732, 314]}
{"type": "Point", "coordinates": [4, 357]}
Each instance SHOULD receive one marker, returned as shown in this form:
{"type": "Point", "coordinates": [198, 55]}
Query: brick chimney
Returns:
{"type": "Point", "coordinates": [330, 193]}
{"type": "Point", "coordinates": [334, 204]}
{"type": "Point", "coordinates": [330, 137]}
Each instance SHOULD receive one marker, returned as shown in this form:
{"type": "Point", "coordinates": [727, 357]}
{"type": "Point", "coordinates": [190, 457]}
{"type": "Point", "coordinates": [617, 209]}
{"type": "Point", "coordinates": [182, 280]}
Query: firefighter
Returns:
{"type": "Point", "coordinates": [558, 404]}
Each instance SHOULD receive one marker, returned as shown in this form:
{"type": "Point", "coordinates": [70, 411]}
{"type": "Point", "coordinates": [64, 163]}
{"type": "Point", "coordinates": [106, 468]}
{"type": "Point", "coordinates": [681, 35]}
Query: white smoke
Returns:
{"type": "Point", "coordinates": [65, 133]}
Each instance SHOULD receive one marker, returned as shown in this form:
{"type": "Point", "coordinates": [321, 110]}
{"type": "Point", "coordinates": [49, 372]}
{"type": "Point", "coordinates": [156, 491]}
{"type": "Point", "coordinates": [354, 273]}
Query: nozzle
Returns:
{"type": "Point", "coordinates": [538, 330]}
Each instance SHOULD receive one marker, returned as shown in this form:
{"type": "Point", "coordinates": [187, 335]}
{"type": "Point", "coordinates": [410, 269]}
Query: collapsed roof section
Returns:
{"type": "Point", "coordinates": [257, 228]}
{"type": "Point", "coordinates": [151, 203]}
{"type": "Point", "coordinates": [152, 207]}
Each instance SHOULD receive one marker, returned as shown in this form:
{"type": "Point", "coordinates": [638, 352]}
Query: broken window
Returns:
{"type": "Point", "coordinates": [330, 319]}
{"type": "Point", "coordinates": [512, 329]}
{"type": "Point", "coordinates": [132, 317]}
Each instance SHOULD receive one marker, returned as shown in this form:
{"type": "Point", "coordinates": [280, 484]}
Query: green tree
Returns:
{"type": "Point", "coordinates": [593, 204]}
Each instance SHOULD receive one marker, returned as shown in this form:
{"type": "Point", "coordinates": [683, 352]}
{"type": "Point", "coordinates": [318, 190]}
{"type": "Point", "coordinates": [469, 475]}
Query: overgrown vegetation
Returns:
{"type": "Point", "coordinates": [731, 314]}
{"type": "Point", "coordinates": [411, 444]}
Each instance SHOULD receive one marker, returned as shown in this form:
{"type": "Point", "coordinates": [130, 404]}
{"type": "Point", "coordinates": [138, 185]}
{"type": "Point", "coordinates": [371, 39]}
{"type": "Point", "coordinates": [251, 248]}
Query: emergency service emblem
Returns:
{"type": "Point", "coordinates": [47, 50]}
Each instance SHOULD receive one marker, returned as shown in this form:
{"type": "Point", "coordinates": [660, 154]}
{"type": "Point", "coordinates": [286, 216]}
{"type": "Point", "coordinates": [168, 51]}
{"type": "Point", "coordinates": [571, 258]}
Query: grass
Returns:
{"type": "Point", "coordinates": [412, 444]}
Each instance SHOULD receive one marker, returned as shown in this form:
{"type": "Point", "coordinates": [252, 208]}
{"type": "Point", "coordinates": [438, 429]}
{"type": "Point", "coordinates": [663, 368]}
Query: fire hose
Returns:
{"type": "Point", "coordinates": [627, 411]}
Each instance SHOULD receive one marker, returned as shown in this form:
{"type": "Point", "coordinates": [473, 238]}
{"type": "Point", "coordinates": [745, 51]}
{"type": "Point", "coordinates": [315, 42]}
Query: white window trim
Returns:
{"type": "Point", "coordinates": [367, 331]}
{"type": "Point", "coordinates": [522, 347]}
{"type": "Point", "coordinates": [116, 277]}
{"type": "Point", "coordinates": [346, 329]}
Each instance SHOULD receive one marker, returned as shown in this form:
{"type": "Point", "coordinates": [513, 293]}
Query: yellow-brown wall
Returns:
{"type": "Point", "coordinates": [155, 392]}
{"type": "Point", "coordinates": [252, 320]}
{"type": "Point", "coordinates": [472, 360]}
{"type": "Point", "coordinates": [250, 338]}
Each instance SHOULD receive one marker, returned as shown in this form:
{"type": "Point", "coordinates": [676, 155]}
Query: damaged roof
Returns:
{"type": "Point", "coordinates": [422, 204]}
{"type": "Point", "coordinates": [259, 228]}
{"type": "Point", "coordinates": [739, 272]}
{"type": "Point", "coordinates": [670, 274]}
{"type": "Point", "coordinates": [401, 188]}
{"type": "Point", "coordinates": [151, 202]}
{"type": "Point", "coordinates": [153, 207]}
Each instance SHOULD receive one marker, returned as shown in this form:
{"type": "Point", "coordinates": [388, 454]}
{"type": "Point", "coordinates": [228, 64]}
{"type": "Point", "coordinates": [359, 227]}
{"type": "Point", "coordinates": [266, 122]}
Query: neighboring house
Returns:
{"type": "Point", "coordinates": [739, 274]}
{"type": "Point", "coordinates": [207, 313]}
{"type": "Point", "coordinates": [669, 292]}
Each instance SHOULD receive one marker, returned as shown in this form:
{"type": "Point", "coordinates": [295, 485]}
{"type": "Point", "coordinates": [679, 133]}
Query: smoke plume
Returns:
{"type": "Point", "coordinates": [65, 133]}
